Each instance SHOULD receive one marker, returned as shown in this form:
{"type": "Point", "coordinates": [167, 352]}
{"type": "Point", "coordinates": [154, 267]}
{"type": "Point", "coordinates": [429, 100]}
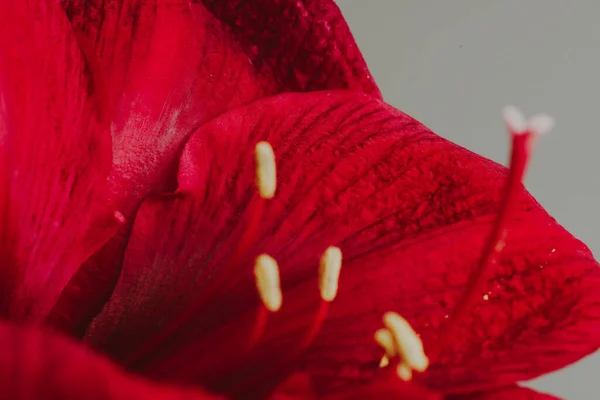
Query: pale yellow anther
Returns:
{"type": "Point", "coordinates": [409, 345]}
{"type": "Point", "coordinates": [384, 362]}
{"type": "Point", "coordinates": [266, 170]}
{"type": "Point", "coordinates": [385, 339]}
{"type": "Point", "coordinates": [266, 272]}
{"type": "Point", "coordinates": [329, 273]}
{"type": "Point", "coordinates": [404, 372]}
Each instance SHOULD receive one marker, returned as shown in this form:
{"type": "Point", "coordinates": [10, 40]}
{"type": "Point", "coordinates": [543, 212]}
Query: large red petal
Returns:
{"type": "Point", "coordinates": [38, 365]}
{"type": "Point", "coordinates": [171, 65]}
{"type": "Point", "coordinates": [410, 211]}
{"type": "Point", "coordinates": [55, 155]}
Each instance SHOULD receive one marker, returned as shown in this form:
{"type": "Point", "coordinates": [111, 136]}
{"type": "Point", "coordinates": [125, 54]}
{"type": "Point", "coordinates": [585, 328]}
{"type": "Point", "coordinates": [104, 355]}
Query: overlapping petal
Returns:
{"type": "Point", "coordinates": [168, 66]}
{"type": "Point", "coordinates": [55, 157]}
{"type": "Point", "coordinates": [409, 210]}
{"type": "Point", "coordinates": [173, 64]}
{"type": "Point", "coordinates": [37, 365]}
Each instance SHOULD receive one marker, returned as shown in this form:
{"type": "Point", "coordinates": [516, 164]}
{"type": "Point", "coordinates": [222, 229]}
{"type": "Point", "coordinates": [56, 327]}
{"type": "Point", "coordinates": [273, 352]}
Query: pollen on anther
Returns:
{"type": "Point", "coordinates": [329, 273]}
{"type": "Point", "coordinates": [404, 372]}
{"type": "Point", "coordinates": [266, 272]}
{"type": "Point", "coordinates": [266, 170]}
{"type": "Point", "coordinates": [384, 362]}
{"type": "Point", "coordinates": [385, 339]}
{"type": "Point", "coordinates": [410, 347]}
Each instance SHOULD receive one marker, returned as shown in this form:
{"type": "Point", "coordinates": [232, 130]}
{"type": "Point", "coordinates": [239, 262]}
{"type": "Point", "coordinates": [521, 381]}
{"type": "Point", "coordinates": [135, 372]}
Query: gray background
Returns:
{"type": "Point", "coordinates": [454, 65]}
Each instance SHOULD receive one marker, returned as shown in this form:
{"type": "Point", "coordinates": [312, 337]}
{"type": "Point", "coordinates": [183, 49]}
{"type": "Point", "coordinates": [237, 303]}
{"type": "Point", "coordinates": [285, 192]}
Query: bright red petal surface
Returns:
{"type": "Point", "coordinates": [39, 365]}
{"type": "Point", "coordinates": [54, 154]}
{"type": "Point", "coordinates": [409, 210]}
{"type": "Point", "coordinates": [173, 64]}
{"type": "Point", "coordinates": [170, 66]}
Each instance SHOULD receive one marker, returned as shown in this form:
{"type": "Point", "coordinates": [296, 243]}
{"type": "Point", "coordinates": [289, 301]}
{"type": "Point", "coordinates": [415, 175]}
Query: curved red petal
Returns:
{"type": "Point", "coordinates": [55, 155]}
{"type": "Point", "coordinates": [37, 365]}
{"type": "Point", "coordinates": [511, 393]}
{"type": "Point", "coordinates": [409, 210]}
{"type": "Point", "coordinates": [172, 65]}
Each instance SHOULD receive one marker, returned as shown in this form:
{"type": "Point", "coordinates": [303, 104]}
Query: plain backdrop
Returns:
{"type": "Point", "coordinates": [454, 64]}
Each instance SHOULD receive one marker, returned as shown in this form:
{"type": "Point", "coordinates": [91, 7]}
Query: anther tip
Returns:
{"type": "Point", "coordinates": [404, 372]}
{"type": "Point", "coordinates": [266, 272]}
{"type": "Point", "coordinates": [266, 172]}
{"type": "Point", "coordinates": [384, 362]}
{"type": "Point", "coordinates": [329, 273]}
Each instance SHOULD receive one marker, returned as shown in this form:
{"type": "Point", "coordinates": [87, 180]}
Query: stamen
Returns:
{"type": "Point", "coordinates": [329, 273]}
{"type": "Point", "coordinates": [266, 184]}
{"type": "Point", "coordinates": [523, 134]}
{"type": "Point", "coordinates": [266, 272]}
{"type": "Point", "coordinates": [385, 339]}
{"type": "Point", "coordinates": [385, 361]}
{"type": "Point", "coordinates": [404, 372]}
{"type": "Point", "coordinates": [266, 175]}
{"type": "Point", "coordinates": [408, 344]}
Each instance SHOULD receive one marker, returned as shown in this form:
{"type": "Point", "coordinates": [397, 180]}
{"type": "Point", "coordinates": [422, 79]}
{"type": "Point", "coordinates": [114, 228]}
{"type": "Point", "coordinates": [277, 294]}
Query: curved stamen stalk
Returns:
{"type": "Point", "coordinates": [329, 274]}
{"type": "Point", "coordinates": [523, 133]}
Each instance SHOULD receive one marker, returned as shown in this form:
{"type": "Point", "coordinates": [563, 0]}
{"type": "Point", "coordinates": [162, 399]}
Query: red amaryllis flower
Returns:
{"type": "Point", "coordinates": [160, 160]}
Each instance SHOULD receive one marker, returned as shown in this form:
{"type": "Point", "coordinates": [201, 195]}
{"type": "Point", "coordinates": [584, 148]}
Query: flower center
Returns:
{"type": "Point", "coordinates": [402, 347]}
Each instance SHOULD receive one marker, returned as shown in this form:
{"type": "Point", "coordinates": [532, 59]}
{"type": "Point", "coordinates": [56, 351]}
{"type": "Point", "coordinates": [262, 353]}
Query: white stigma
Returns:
{"type": "Point", "coordinates": [517, 124]}
{"type": "Point", "coordinates": [541, 124]}
{"type": "Point", "coordinates": [514, 120]}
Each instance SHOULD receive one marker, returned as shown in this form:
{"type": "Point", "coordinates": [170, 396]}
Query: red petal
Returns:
{"type": "Point", "coordinates": [297, 386]}
{"type": "Point", "coordinates": [171, 66]}
{"type": "Point", "coordinates": [385, 386]}
{"type": "Point", "coordinates": [37, 365]}
{"type": "Point", "coordinates": [410, 212]}
{"type": "Point", "coordinates": [510, 393]}
{"type": "Point", "coordinates": [301, 45]}
{"type": "Point", "coordinates": [55, 153]}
